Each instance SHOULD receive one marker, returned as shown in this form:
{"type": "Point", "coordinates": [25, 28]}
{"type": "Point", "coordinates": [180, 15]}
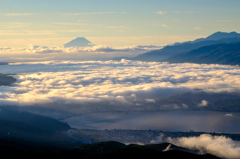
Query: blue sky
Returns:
{"type": "Point", "coordinates": [151, 21]}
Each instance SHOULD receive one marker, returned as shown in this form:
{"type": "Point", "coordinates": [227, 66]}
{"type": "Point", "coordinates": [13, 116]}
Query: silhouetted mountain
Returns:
{"type": "Point", "coordinates": [222, 35]}
{"type": "Point", "coordinates": [177, 48]}
{"type": "Point", "coordinates": [31, 127]}
{"type": "Point", "coordinates": [6, 80]}
{"type": "Point", "coordinates": [41, 122]}
{"type": "Point", "coordinates": [106, 150]}
{"type": "Point", "coordinates": [217, 36]}
{"type": "Point", "coordinates": [79, 42]}
{"type": "Point", "coordinates": [101, 147]}
{"type": "Point", "coordinates": [168, 51]}
{"type": "Point", "coordinates": [213, 54]}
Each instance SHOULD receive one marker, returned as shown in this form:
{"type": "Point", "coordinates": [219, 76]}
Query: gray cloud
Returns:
{"type": "Point", "coordinates": [5, 48]}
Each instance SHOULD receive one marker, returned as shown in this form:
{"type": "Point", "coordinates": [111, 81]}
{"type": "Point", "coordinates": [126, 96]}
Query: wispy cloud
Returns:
{"type": "Point", "coordinates": [121, 28]}
{"type": "Point", "coordinates": [14, 25]}
{"type": "Point", "coordinates": [72, 31]}
{"type": "Point", "coordinates": [161, 12]}
{"type": "Point", "coordinates": [116, 27]}
{"type": "Point", "coordinates": [27, 32]}
{"type": "Point", "coordinates": [165, 26]}
{"type": "Point", "coordinates": [39, 32]}
{"type": "Point", "coordinates": [197, 28]}
{"type": "Point", "coordinates": [175, 11]}
{"type": "Point", "coordinates": [60, 23]}
{"type": "Point", "coordinates": [91, 13]}
{"type": "Point", "coordinates": [187, 12]}
{"type": "Point", "coordinates": [18, 14]}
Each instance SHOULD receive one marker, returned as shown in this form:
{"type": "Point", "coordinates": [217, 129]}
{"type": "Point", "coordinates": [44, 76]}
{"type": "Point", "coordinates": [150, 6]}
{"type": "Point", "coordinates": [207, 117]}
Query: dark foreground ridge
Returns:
{"type": "Point", "coordinates": [28, 135]}
{"type": "Point", "coordinates": [104, 150]}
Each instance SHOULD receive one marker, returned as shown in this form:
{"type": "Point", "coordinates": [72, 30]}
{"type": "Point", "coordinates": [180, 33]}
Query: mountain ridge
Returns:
{"type": "Point", "coordinates": [165, 54]}
{"type": "Point", "coordinates": [219, 53]}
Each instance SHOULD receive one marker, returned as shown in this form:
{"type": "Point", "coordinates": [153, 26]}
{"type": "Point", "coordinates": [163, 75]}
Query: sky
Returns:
{"type": "Point", "coordinates": [114, 22]}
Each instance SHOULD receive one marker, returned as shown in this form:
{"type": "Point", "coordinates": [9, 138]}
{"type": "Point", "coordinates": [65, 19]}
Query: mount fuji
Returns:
{"type": "Point", "coordinates": [79, 42]}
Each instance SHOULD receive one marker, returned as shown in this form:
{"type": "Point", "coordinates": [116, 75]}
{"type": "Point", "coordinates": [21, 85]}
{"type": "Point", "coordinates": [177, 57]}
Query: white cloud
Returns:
{"type": "Point", "coordinates": [217, 145]}
{"type": "Point", "coordinates": [229, 115]}
{"type": "Point", "coordinates": [118, 85]}
{"type": "Point", "coordinates": [203, 103]}
{"type": "Point", "coordinates": [94, 49]}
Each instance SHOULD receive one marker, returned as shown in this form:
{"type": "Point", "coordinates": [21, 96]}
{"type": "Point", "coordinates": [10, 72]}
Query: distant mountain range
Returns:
{"type": "Point", "coordinates": [213, 54]}
{"type": "Point", "coordinates": [218, 48]}
{"type": "Point", "coordinates": [79, 42]}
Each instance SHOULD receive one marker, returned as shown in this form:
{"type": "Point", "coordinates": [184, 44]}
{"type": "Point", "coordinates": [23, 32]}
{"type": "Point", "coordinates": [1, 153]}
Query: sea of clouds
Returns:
{"type": "Point", "coordinates": [128, 94]}
{"type": "Point", "coordinates": [121, 85]}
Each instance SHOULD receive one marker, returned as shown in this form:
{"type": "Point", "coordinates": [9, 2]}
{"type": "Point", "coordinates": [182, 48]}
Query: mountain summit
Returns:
{"type": "Point", "coordinates": [223, 35]}
{"type": "Point", "coordinates": [79, 42]}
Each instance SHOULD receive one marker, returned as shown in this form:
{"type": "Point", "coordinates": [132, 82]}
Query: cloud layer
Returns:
{"type": "Point", "coordinates": [124, 85]}
{"type": "Point", "coordinates": [217, 145]}
{"type": "Point", "coordinates": [97, 48]}
{"type": "Point", "coordinates": [98, 52]}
